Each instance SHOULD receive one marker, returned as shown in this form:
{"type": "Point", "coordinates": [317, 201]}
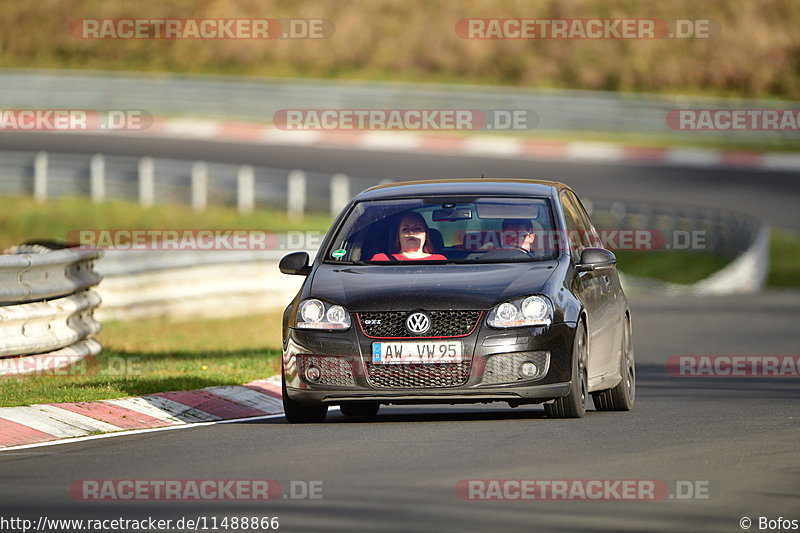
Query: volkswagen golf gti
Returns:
{"type": "Point", "coordinates": [458, 291]}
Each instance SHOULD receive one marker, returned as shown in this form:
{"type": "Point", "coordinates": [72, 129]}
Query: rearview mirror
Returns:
{"type": "Point", "coordinates": [452, 214]}
{"type": "Point", "coordinates": [295, 263]}
{"type": "Point", "coordinates": [596, 259]}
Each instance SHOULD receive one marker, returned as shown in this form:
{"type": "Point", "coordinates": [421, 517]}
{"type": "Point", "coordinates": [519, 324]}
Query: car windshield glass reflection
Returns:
{"type": "Point", "coordinates": [446, 229]}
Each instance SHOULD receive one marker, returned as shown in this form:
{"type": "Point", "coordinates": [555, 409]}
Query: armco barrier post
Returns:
{"type": "Point", "coordinates": [340, 193]}
{"type": "Point", "coordinates": [146, 182]}
{"type": "Point", "coordinates": [199, 186]}
{"type": "Point", "coordinates": [40, 177]}
{"type": "Point", "coordinates": [296, 198]}
{"type": "Point", "coordinates": [245, 189]}
{"type": "Point", "coordinates": [97, 178]}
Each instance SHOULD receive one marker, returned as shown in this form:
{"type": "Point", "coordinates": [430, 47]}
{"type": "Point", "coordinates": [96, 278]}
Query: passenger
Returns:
{"type": "Point", "coordinates": [412, 240]}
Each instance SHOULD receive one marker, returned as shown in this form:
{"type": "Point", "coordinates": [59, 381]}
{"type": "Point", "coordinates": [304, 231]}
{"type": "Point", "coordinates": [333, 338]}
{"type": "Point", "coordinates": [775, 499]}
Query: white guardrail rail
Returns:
{"type": "Point", "coordinates": [215, 283]}
{"type": "Point", "coordinates": [47, 308]}
{"type": "Point", "coordinates": [182, 285]}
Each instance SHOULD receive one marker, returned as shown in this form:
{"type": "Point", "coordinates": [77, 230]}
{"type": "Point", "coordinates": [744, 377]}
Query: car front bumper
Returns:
{"type": "Point", "coordinates": [349, 376]}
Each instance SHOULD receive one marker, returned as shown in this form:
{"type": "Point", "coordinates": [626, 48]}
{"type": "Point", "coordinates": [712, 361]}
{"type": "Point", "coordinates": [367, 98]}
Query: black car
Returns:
{"type": "Point", "coordinates": [458, 291]}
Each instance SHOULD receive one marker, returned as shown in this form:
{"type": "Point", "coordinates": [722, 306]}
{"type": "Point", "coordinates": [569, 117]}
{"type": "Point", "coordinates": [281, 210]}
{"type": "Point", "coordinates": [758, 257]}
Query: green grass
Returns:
{"type": "Point", "coordinates": [148, 356]}
{"type": "Point", "coordinates": [753, 54]}
{"type": "Point", "coordinates": [22, 219]}
{"type": "Point", "coordinates": [784, 259]}
{"type": "Point", "coordinates": [673, 267]}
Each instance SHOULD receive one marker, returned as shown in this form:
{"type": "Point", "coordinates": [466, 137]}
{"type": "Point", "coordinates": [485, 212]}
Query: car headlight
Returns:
{"type": "Point", "coordinates": [314, 314]}
{"type": "Point", "coordinates": [525, 311]}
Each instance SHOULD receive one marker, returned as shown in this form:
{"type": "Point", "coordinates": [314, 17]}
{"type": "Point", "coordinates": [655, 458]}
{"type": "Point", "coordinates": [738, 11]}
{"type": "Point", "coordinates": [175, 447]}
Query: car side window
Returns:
{"type": "Point", "coordinates": [575, 227]}
{"type": "Point", "coordinates": [590, 237]}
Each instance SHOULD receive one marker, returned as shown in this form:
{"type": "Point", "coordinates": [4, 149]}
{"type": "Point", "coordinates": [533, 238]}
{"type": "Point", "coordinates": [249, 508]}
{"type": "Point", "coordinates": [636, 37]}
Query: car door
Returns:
{"type": "Point", "coordinates": [592, 288]}
{"type": "Point", "coordinates": [615, 301]}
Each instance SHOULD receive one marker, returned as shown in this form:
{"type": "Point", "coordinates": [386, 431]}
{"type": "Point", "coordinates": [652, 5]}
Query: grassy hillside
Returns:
{"type": "Point", "coordinates": [756, 54]}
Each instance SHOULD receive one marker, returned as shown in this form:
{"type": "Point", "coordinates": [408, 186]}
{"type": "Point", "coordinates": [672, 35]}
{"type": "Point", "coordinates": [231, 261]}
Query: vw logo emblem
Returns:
{"type": "Point", "coordinates": [418, 323]}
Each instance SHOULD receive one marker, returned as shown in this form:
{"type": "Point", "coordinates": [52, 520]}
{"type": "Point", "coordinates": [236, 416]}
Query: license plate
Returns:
{"type": "Point", "coordinates": [387, 353]}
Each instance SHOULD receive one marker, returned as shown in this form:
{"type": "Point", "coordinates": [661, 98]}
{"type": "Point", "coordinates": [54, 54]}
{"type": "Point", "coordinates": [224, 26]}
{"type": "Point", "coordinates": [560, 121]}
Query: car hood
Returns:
{"type": "Point", "coordinates": [401, 287]}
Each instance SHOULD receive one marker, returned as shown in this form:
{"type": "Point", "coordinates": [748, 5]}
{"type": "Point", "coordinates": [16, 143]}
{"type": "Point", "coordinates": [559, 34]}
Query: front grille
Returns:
{"type": "Point", "coordinates": [418, 376]}
{"type": "Point", "coordinates": [504, 367]}
{"type": "Point", "coordinates": [333, 370]}
{"type": "Point", "coordinates": [392, 324]}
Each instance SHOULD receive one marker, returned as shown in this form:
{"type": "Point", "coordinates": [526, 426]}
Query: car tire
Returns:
{"type": "Point", "coordinates": [621, 397]}
{"type": "Point", "coordinates": [297, 413]}
{"type": "Point", "coordinates": [573, 405]}
{"type": "Point", "coordinates": [360, 409]}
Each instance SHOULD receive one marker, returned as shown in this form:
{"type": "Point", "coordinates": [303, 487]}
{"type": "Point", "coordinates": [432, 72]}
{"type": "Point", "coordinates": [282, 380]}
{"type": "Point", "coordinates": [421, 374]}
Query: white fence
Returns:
{"type": "Point", "coordinates": [199, 184]}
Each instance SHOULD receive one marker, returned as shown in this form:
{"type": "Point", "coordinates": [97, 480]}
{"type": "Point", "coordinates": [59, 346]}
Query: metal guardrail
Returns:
{"type": "Point", "coordinates": [216, 285]}
{"type": "Point", "coordinates": [739, 237]}
{"type": "Point", "coordinates": [155, 180]}
{"type": "Point", "coordinates": [41, 327]}
{"type": "Point", "coordinates": [190, 284]}
{"type": "Point", "coordinates": [47, 310]}
{"type": "Point", "coordinates": [724, 233]}
{"type": "Point", "coordinates": [30, 277]}
{"type": "Point", "coordinates": [258, 100]}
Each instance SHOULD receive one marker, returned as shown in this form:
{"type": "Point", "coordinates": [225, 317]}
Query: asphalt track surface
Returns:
{"type": "Point", "coordinates": [399, 472]}
{"type": "Point", "coordinates": [740, 436]}
{"type": "Point", "coordinates": [773, 196]}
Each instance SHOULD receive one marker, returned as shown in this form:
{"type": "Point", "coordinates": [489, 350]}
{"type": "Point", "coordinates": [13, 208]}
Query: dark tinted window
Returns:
{"type": "Point", "coordinates": [454, 229]}
{"type": "Point", "coordinates": [577, 231]}
{"type": "Point", "coordinates": [590, 238]}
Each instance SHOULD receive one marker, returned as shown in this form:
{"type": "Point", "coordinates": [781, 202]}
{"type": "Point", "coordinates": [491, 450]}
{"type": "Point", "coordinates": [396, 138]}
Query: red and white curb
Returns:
{"type": "Point", "coordinates": [480, 145]}
{"type": "Point", "coordinates": [46, 423]}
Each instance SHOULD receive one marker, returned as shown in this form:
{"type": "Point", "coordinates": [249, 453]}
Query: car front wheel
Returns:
{"type": "Point", "coordinates": [621, 397]}
{"type": "Point", "coordinates": [573, 405]}
{"type": "Point", "coordinates": [297, 413]}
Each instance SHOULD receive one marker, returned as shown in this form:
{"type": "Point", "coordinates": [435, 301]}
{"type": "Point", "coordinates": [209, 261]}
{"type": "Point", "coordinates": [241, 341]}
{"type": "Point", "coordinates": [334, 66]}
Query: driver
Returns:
{"type": "Point", "coordinates": [412, 240]}
{"type": "Point", "coordinates": [518, 233]}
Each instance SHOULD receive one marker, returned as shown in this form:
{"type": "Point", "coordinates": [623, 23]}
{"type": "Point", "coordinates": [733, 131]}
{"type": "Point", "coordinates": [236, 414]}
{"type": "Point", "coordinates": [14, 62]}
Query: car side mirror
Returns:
{"type": "Point", "coordinates": [596, 259]}
{"type": "Point", "coordinates": [295, 263]}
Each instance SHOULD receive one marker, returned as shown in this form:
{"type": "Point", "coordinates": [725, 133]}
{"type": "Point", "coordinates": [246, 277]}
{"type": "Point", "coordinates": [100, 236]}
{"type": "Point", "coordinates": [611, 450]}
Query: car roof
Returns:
{"type": "Point", "coordinates": [463, 186]}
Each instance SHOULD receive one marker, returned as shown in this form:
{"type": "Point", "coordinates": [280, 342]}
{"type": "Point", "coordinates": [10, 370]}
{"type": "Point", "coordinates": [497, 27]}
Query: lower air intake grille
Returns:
{"type": "Point", "coordinates": [418, 376]}
{"type": "Point", "coordinates": [504, 367]}
{"type": "Point", "coordinates": [333, 370]}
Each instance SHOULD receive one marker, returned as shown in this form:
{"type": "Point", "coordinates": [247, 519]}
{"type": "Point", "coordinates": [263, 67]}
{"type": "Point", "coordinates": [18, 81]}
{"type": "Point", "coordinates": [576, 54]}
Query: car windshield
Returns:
{"type": "Point", "coordinates": [446, 229]}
